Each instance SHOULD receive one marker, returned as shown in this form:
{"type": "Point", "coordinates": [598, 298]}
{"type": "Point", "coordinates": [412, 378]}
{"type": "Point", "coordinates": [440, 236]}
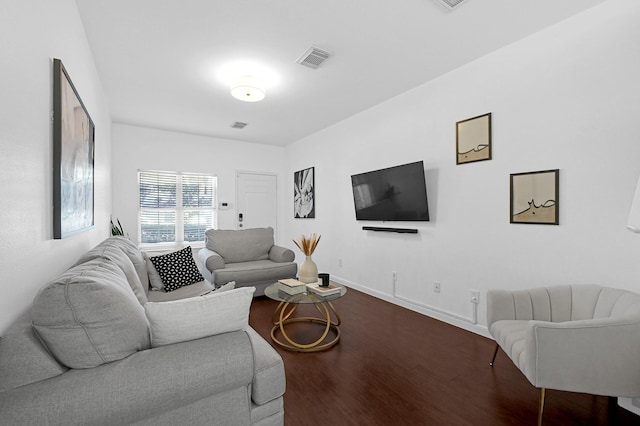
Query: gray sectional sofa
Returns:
{"type": "Point", "coordinates": [247, 256]}
{"type": "Point", "coordinates": [93, 350]}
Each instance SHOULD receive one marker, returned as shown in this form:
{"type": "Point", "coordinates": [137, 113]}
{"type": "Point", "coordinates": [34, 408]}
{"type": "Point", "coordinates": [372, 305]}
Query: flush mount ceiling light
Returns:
{"type": "Point", "coordinates": [248, 80]}
{"type": "Point", "coordinates": [248, 88]}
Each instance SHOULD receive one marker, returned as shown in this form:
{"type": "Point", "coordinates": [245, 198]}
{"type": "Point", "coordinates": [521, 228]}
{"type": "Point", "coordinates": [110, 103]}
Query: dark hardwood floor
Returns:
{"type": "Point", "coordinates": [394, 366]}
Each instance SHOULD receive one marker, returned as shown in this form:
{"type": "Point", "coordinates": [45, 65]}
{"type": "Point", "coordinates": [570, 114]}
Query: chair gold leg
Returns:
{"type": "Point", "coordinates": [541, 407]}
{"type": "Point", "coordinates": [494, 355]}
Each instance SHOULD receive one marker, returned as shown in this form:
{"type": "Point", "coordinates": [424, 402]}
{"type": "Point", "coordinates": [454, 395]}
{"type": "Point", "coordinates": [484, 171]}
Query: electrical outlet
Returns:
{"type": "Point", "coordinates": [436, 287]}
{"type": "Point", "coordinates": [340, 263]}
{"type": "Point", "coordinates": [475, 296]}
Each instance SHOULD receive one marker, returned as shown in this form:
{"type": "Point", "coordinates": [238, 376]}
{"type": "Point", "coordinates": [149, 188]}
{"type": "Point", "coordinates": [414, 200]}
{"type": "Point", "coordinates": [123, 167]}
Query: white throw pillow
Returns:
{"type": "Point", "coordinates": [197, 317]}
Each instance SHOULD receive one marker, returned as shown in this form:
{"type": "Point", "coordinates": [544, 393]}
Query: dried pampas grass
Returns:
{"type": "Point", "coordinates": [307, 245]}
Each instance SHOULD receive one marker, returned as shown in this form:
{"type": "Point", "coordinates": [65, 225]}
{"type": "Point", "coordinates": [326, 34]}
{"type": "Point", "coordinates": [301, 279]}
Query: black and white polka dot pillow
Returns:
{"type": "Point", "coordinates": [177, 269]}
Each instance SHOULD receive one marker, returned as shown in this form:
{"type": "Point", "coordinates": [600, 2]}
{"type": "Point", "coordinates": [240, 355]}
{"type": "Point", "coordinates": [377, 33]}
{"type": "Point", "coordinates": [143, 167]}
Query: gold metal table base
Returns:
{"type": "Point", "coordinates": [282, 318]}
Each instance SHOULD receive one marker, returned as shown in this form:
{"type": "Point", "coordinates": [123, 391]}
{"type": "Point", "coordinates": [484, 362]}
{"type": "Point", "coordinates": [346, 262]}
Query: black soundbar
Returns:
{"type": "Point", "coordinates": [397, 230]}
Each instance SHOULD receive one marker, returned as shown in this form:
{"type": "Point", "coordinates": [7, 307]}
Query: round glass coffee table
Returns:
{"type": "Point", "coordinates": [282, 317]}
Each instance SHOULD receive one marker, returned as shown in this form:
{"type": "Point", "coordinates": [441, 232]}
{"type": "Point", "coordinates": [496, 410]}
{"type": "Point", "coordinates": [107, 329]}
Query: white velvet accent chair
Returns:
{"type": "Point", "coordinates": [578, 338]}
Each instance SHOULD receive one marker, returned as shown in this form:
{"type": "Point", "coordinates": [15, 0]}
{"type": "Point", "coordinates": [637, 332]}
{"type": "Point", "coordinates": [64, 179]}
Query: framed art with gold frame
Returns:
{"type": "Point", "coordinates": [473, 139]}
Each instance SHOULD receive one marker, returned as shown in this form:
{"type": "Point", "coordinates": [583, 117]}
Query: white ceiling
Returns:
{"type": "Point", "coordinates": [158, 59]}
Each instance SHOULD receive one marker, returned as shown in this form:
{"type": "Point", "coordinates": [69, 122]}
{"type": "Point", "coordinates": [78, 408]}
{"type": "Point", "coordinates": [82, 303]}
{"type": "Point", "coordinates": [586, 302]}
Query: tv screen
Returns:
{"type": "Point", "coordinates": [396, 193]}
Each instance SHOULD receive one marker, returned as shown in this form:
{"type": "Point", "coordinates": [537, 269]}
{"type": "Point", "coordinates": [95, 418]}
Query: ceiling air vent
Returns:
{"type": "Point", "coordinates": [451, 5]}
{"type": "Point", "coordinates": [238, 125]}
{"type": "Point", "coordinates": [313, 57]}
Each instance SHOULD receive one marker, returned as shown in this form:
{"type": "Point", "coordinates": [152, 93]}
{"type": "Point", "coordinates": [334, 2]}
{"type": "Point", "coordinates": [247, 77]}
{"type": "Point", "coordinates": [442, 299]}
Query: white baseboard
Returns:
{"type": "Point", "coordinates": [631, 404]}
{"type": "Point", "coordinates": [430, 311]}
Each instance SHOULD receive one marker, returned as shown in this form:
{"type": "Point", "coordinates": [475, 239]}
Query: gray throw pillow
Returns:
{"type": "Point", "coordinates": [154, 278]}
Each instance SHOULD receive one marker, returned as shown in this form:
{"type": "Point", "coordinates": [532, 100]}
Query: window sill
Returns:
{"type": "Point", "coordinates": [151, 247]}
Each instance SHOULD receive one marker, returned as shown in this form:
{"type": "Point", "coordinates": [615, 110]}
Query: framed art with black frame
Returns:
{"type": "Point", "coordinates": [304, 203]}
{"type": "Point", "coordinates": [73, 158]}
{"type": "Point", "coordinates": [535, 197]}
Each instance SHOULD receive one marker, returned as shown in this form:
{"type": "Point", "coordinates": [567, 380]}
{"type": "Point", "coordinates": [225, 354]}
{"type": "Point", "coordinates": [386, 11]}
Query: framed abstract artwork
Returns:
{"type": "Point", "coordinates": [73, 158]}
{"type": "Point", "coordinates": [304, 194]}
{"type": "Point", "coordinates": [473, 139]}
{"type": "Point", "coordinates": [535, 197]}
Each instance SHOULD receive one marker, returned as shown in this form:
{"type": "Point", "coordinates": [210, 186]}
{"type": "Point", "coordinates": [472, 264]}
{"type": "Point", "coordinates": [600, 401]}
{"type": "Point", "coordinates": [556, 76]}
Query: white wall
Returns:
{"type": "Point", "coordinates": [33, 32]}
{"type": "Point", "coordinates": [136, 148]}
{"type": "Point", "coordinates": [564, 98]}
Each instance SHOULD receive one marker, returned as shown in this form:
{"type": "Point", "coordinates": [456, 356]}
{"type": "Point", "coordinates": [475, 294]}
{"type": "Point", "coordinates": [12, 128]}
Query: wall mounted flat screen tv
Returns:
{"type": "Point", "coordinates": [393, 194]}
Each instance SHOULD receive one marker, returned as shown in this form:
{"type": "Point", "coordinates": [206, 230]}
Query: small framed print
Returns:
{"type": "Point", "coordinates": [304, 203]}
{"type": "Point", "coordinates": [534, 197]}
{"type": "Point", "coordinates": [473, 139]}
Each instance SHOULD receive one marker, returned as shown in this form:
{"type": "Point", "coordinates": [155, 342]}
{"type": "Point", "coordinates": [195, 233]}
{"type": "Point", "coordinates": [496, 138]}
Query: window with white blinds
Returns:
{"type": "Point", "coordinates": [175, 207]}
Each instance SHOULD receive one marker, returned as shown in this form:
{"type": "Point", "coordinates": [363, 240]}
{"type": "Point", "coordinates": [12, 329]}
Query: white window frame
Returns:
{"type": "Point", "coordinates": [178, 210]}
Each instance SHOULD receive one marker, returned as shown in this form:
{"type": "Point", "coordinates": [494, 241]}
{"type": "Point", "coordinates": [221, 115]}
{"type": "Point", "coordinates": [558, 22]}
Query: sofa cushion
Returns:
{"type": "Point", "coordinates": [268, 370]}
{"type": "Point", "coordinates": [23, 359]}
{"type": "Point", "coordinates": [157, 387]}
{"type": "Point", "coordinates": [228, 286]}
{"type": "Point", "coordinates": [177, 269]}
{"type": "Point", "coordinates": [135, 255]}
{"type": "Point", "coordinates": [89, 316]}
{"type": "Point", "coordinates": [197, 317]}
{"type": "Point", "coordinates": [240, 245]}
{"type": "Point", "coordinates": [250, 272]}
{"type": "Point", "coordinates": [116, 249]}
{"type": "Point", "coordinates": [193, 290]}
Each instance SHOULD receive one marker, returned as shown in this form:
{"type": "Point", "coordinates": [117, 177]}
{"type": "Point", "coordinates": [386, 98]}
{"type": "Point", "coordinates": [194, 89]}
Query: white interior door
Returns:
{"type": "Point", "coordinates": [257, 200]}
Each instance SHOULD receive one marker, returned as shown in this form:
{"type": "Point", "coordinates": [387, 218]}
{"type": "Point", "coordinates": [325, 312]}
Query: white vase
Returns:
{"type": "Point", "coordinates": [308, 272]}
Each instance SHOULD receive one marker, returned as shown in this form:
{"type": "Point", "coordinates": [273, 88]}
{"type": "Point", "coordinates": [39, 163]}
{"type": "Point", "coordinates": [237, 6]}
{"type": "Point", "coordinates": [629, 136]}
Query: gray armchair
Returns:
{"type": "Point", "coordinates": [248, 256]}
{"type": "Point", "coordinates": [579, 338]}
